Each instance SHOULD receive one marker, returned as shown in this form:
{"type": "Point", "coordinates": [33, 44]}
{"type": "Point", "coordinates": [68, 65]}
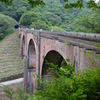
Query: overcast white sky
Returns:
{"type": "Point", "coordinates": [96, 1]}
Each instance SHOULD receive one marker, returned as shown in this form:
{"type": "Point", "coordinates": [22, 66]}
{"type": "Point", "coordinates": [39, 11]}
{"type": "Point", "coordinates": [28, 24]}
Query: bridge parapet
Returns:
{"type": "Point", "coordinates": [87, 36]}
{"type": "Point", "coordinates": [83, 40]}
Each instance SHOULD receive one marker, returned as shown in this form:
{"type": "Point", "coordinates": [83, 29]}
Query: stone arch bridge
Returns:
{"type": "Point", "coordinates": [37, 46]}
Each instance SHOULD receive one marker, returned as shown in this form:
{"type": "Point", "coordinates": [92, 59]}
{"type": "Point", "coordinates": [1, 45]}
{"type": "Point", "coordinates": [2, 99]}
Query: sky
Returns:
{"type": "Point", "coordinates": [96, 1]}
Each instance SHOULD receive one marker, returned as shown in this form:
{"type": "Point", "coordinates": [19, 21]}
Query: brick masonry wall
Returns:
{"type": "Point", "coordinates": [78, 56]}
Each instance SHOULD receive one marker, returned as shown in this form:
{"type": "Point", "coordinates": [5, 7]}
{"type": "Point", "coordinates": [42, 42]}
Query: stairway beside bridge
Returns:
{"type": "Point", "coordinates": [11, 64]}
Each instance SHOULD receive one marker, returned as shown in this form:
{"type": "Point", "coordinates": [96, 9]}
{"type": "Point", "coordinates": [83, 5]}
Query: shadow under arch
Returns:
{"type": "Point", "coordinates": [31, 54]}
{"type": "Point", "coordinates": [23, 47]}
{"type": "Point", "coordinates": [52, 57]}
{"type": "Point", "coordinates": [31, 66]}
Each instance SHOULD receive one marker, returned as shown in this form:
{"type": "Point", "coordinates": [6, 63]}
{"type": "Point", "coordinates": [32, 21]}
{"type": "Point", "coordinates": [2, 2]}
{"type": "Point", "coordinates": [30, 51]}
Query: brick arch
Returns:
{"type": "Point", "coordinates": [31, 64]}
{"type": "Point", "coordinates": [54, 57]}
{"type": "Point", "coordinates": [31, 53]}
{"type": "Point", "coordinates": [23, 47]}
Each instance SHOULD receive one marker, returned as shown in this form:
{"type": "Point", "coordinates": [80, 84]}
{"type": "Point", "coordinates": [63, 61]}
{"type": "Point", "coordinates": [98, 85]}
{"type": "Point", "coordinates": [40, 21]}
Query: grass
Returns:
{"type": "Point", "coordinates": [11, 63]}
{"type": "Point", "coordinates": [15, 87]}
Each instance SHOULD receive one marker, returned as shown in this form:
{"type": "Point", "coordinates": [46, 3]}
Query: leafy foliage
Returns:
{"type": "Point", "coordinates": [88, 23]}
{"type": "Point", "coordinates": [18, 94]}
{"type": "Point", "coordinates": [53, 15]}
{"type": "Point", "coordinates": [65, 85]}
{"type": "Point", "coordinates": [31, 2]}
{"type": "Point", "coordinates": [6, 25]}
{"type": "Point", "coordinates": [9, 92]}
{"type": "Point", "coordinates": [71, 86]}
{"type": "Point", "coordinates": [68, 4]}
{"type": "Point", "coordinates": [31, 19]}
{"type": "Point", "coordinates": [15, 11]}
{"type": "Point", "coordinates": [80, 4]}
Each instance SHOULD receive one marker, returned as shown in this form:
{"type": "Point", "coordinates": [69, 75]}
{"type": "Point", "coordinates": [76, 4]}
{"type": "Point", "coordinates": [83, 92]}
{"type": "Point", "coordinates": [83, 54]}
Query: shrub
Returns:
{"type": "Point", "coordinates": [71, 86]}
{"type": "Point", "coordinates": [67, 85]}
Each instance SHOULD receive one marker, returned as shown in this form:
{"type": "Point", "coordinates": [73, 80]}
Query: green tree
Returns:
{"type": "Point", "coordinates": [87, 23]}
{"type": "Point", "coordinates": [53, 14]}
{"type": "Point", "coordinates": [70, 85]}
{"type": "Point", "coordinates": [32, 2]}
{"type": "Point", "coordinates": [51, 19]}
{"type": "Point", "coordinates": [28, 17]}
{"type": "Point", "coordinates": [68, 4]}
{"type": "Point", "coordinates": [96, 20]}
{"type": "Point", "coordinates": [39, 24]}
{"type": "Point", "coordinates": [15, 11]}
{"type": "Point", "coordinates": [6, 25]}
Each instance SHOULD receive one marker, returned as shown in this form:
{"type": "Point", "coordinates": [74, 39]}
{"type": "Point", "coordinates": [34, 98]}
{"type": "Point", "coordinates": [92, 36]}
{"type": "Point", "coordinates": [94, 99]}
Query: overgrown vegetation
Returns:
{"type": "Point", "coordinates": [53, 15]}
{"type": "Point", "coordinates": [70, 85]}
{"type": "Point", "coordinates": [68, 4]}
{"type": "Point", "coordinates": [18, 94]}
{"type": "Point", "coordinates": [67, 85]}
{"type": "Point", "coordinates": [6, 25]}
{"type": "Point", "coordinates": [88, 23]}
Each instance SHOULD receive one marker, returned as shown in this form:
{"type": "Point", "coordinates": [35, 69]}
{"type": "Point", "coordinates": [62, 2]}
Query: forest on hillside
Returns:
{"type": "Point", "coordinates": [52, 15]}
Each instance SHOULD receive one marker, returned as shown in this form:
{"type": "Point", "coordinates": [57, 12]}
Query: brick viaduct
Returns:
{"type": "Point", "coordinates": [37, 46]}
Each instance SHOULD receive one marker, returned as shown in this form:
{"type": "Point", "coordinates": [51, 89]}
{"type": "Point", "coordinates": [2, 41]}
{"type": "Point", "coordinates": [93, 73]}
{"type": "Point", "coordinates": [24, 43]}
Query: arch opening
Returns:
{"type": "Point", "coordinates": [31, 66]}
{"type": "Point", "coordinates": [52, 57]}
{"type": "Point", "coordinates": [23, 47]}
{"type": "Point", "coordinates": [31, 54]}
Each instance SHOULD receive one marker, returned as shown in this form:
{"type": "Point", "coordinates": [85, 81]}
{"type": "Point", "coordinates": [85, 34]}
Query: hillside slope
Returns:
{"type": "Point", "coordinates": [53, 15]}
{"type": "Point", "coordinates": [11, 63]}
